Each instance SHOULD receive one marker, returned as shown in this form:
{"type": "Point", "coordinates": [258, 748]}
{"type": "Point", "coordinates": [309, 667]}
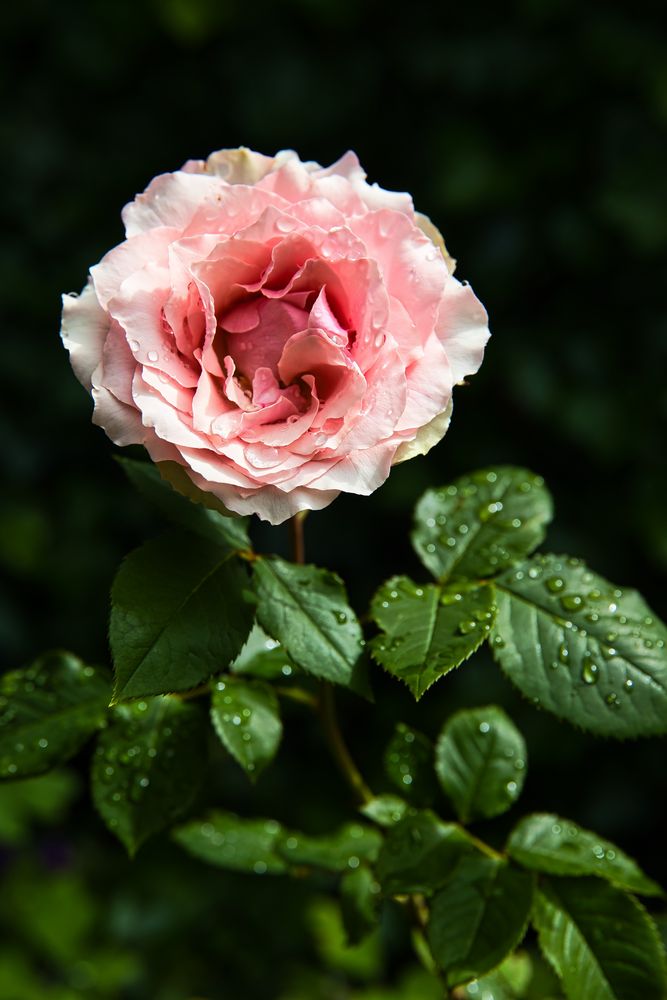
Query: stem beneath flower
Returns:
{"type": "Point", "coordinates": [296, 537]}
{"type": "Point", "coordinates": [338, 747]}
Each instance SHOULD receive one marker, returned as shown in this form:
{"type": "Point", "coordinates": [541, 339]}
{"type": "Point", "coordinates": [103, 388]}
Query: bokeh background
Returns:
{"type": "Point", "coordinates": [533, 133]}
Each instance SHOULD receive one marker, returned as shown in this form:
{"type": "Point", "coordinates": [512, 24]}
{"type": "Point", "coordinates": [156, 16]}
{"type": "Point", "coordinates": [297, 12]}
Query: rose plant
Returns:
{"type": "Point", "coordinates": [274, 333]}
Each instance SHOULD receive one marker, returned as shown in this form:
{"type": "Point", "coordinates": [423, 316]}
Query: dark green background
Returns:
{"type": "Point", "coordinates": [533, 134]}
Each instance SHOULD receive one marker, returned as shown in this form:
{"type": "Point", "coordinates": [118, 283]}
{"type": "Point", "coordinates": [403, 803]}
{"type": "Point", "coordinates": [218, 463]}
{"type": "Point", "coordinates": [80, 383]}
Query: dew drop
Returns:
{"type": "Point", "coordinates": [511, 787]}
{"type": "Point", "coordinates": [484, 727]}
{"type": "Point", "coordinates": [628, 684]}
{"type": "Point", "coordinates": [42, 744]}
{"type": "Point", "coordinates": [467, 626]}
{"type": "Point", "coordinates": [589, 671]}
{"type": "Point", "coordinates": [554, 584]}
{"type": "Point", "coordinates": [153, 356]}
{"type": "Point", "coordinates": [571, 602]}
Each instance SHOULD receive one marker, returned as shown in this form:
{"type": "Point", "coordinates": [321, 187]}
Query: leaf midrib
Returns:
{"type": "Point", "coordinates": [169, 623]}
{"type": "Point", "coordinates": [306, 614]}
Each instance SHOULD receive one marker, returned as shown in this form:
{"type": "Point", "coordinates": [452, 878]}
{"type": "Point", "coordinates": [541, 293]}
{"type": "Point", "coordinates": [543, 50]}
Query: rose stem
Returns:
{"type": "Point", "coordinates": [326, 701]}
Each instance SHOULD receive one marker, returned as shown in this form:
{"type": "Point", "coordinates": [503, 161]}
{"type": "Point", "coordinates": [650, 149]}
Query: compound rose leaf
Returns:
{"type": "Point", "coordinates": [180, 611]}
{"type": "Point", "coordinates": [481, 523]}
{"type": "Point", "coordinates": [147, 767]}
{"type": "Point", "coordinates": [428, 630]}
{"type": "Point", "coordinates": [48, 711]}
{"type": "Point", "coordinates": [246, 717]}
{"type": "Point", "coordinates": [580, 647]}
{"type": "Point", "coordinates": [480, 759]}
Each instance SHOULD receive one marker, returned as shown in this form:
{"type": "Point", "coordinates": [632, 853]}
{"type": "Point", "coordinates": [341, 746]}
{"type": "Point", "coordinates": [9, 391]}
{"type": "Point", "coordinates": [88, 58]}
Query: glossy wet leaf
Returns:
{"type": "Point", "coordinates": [600, 941]}
{"type": "Point", "coordinates": [229, 841]}
{"type": "Point", "coordinates": [385, 810]}
{"type": "Point", "coordinates": [342, 850]}
{"type": "Point", "coordinates": [226, 532]}
{"type": "Point", "coordinates": [48, 711]}
{"type": "Point", "coordinates": [147, 767]}
{"type": "Point", "coordinates": [511, 980]}
{"type": "Point", "coordinates": [263, 657]}
{"type": "Point", "coordinates": [360, 893]}
{"type": "Point", "coordinates": [408, 762]}
{"type": "Point", "coordinates": [548, 843]}
{"type": "Point", "coordinates": [478, 916]}
{"type": "Point", "coordinates": [480, 759]}
{"type": "Point", "coordinates": [481, 523]}
{"type": "Point", "coordinates": [420, 852]}
{"type": "Point", "coordinates": [428, 630]}
{"type": "Point", "coordinates": [179, 613]}
{"type": "Point", "coordinates": [305, 609]}
{"type": "Point", "coordinates": [246, 717]}
{"type": "Point", "coordinates": [583, 649]}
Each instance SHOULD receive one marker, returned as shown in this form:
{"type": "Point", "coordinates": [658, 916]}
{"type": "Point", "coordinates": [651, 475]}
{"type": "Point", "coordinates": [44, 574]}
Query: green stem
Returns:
{"type": "Point", "coordinates": [338, 747]}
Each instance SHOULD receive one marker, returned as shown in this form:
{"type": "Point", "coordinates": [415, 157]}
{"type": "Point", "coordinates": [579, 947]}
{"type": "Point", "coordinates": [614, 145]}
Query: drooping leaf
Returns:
{"type": "Point", "coordinates": [481, 523]}
{"type": "Point", "coordinates": [385, 810]}
{"type": "Point", "coordinates": [408, 762]}
{"type": "Point", "coordinates": [306, 610]}
{"type": "Point", "coordinates": [179, 613]}
{"type": "Point", "coordinates": [478, 917]}
{"type": "Point", "coordinates": [229, 841]}
{"type": "Point", "coordinates": [480, 759]}
{"type": "Point", "coordinates": [600, 941]}
{"type": "Point", "coordinates": [147, 767]}
{"type": "Point", "coordinates": [228, 532]}
{"type": "Point", "coordinates": [48, 711]}
{"type": "Point", "coordinates": [428, 630]}
{"type": "Point", "coordinates": [583, 649]}
{"type": "Point", "coordinates": [420, 852]}
{"type": "Point", "coordinates": [343, 850]}
{"type": "Point", "coordinates": [548, 843]}
{"type": "Point", "coordinates": [262, 657]}
{"type": "Point", "coordinates": [359, 903]}
{"type": "Point", "coordinates": [246, 717]}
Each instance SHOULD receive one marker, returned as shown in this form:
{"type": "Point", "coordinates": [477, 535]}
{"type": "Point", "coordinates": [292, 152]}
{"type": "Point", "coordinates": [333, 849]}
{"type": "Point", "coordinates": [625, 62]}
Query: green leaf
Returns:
{"type": "Point", "coordinates": [478, 917]}
{"type": "Point", "coordinates": [428, 630]}
{"type": "Point", "coordinates": [229, 841]}
{"type": "Point", "coordinates": [246, 717]}
{"type": "Point", "coordinates": [482, 523]}
{"type": "Point", "coordinates": [558, 846]}
{"type": "Point", "coordinates": [44, 799]}
{"type": "Point", "coordinates": [179, 613]}
{"type": "Point", "coordinates": [48, 711]}
{"type": "Point", "coordinates": [342, 850]}
{"type": "Point", "coordinates": [306, 610]}
{"type": "Point", "coordinates": [510, 981]}
{"type": "Point", "coordinates": [225, 531]}
{"type": "Point", "coordinates": [408, 761]}
{"type": "Point", "coordinates": [147, 767]}
{"type": "Point", "coordinates": [600, 941]}
{"type": "Point", "coordinates": [262, 657]}
{"type": "Point", "coordinates": [480, 759]}
{"type": "Point", "coordinates": [583, 649]}
{"type": "Point", "coordinates": [420, 852]}
{"type": "Point", "coordinates": [359, 903]}
{"type": "Point", "coordinates": [385, 810]}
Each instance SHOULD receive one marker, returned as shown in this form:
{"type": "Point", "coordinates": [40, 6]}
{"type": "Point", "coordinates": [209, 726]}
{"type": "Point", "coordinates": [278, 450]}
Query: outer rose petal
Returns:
{"type": "Point", "coordinates": [427, 437]}
{"type": "Point", "coordinates": [83, 331]}
{"type": "Point", "coordinates": [274, 331]}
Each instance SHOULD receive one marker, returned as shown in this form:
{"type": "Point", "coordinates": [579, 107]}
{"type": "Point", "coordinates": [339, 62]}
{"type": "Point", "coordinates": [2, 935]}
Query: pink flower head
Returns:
{"type": "Point", "coordinates": [280, 330]}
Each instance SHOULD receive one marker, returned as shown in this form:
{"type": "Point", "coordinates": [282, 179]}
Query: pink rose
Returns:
{"type": "Point", "coordinates": [280, 330]}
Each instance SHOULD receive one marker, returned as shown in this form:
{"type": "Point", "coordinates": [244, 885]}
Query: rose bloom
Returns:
{"type": "Point", "coordinates": [279, 330]}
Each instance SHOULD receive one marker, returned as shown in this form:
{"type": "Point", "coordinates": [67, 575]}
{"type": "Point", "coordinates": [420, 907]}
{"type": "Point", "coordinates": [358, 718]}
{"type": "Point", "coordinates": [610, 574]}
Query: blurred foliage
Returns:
{"type": "Point", "coordinates": [533, 134]}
